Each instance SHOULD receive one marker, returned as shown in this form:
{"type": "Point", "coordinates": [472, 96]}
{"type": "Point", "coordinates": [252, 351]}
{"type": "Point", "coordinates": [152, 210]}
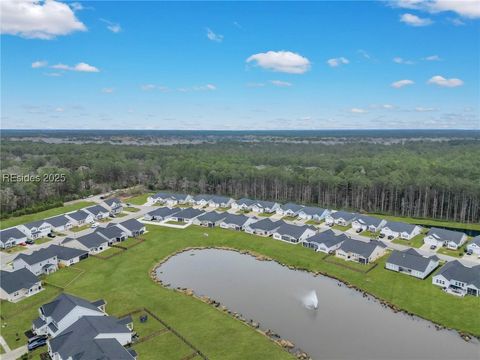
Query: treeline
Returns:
{"type": "Point", "coordinates": [439, 180]}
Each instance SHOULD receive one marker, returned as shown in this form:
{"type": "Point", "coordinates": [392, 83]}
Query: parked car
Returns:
{"type": "Point", "coordinates": [22, 244]}
{"type": "Point", "coordinates": [36, 343]}
{"type": "Point", "coordinates": [381, 236]}
{"type": "Point", "coordinates": [94, 225]}
{"type": "Point", "coordinates": [52, 235]}
{"type": "Point", "coordinates": [390, 237]}
{"type": "Point", "coordinates": [433, 247]}
{"type": "Point", "coordinates": [359, 230]}
{"type": "Point", "coordinates": [30, 242]}
{"type": "Point", "coordinates": [37, 337]}
{"type": "Point", "coordinates": [469, 252]}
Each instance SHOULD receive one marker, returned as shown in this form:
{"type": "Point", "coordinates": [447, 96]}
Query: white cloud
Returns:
{"type": "Point", "coordinates": [207, 87]}
{"type": "Point", "coordinates": [147, 87]}
{"type": "Point", "coordinates": [113, 27]}
{"type": "Point", "coordinates": [400, 60]}
{"type": "Point", "coordinates": [401, 83]}
{"type": "Point", "coordinates": [280, 83]}
{"type": "Point", "coordinates": [337, 61]}
{"type": "Point", "coordinates": [424, 109]}
{"type": "Point", "coordinates": [33, 19]}
{"type": "Point", "coordinates": [80, 67]}
{"type": "Point", "coordinates": [59, 109]}
{"type": "Point", "coordinates": [281, 61]}
{"type": "Point", "coordinates": [39, 64]}
{"type": "Point", "coordinates": [441, 81]}
{"type": "Point", "coordinates": [358, 111]}
{"type": "Point", "coordinates": [60, 67]}
{"type": "Point", "coordinates": [214, 37]}
{"type": "Point", "coordinates": [387, 106]}
{"type": "Point", "coordinates": [456, 21]}
{"type": "Point", "coordinates": [53, 74]}
{"type": "Point", "coordinates": [433, 58]}
{"type": "Point", "coordinates": [76, 6]}
{"type": "Point", "coordinates": [414, 20]}
{"type": "Point", "coordinates": [464, 8]}
{"type": "Point", "coordinates": [108, 90]}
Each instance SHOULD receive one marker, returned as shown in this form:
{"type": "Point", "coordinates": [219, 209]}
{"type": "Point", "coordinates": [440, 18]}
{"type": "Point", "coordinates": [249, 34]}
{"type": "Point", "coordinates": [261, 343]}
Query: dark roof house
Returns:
{"type": "Point", "coordinates": [17, 280]}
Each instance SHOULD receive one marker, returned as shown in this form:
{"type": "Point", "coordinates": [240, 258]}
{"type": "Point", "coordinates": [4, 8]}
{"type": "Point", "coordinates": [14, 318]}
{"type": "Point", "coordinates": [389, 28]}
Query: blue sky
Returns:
{"type": "Point", "coordinates": [289, 65]}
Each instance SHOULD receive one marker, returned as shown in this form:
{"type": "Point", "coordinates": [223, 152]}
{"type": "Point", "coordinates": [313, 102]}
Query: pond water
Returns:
{"type": "Point", "coordinates": [346, 325]}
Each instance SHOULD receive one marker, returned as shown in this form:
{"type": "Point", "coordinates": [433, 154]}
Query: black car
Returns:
{"type": "Point", "coordinates": [51, 235]}
{"type": "Point", "coordinates": [30, 242]}
{"type": "Point", "coordinates": [359, 230]}
{"type": "Point", "coordinates": [36, 342]}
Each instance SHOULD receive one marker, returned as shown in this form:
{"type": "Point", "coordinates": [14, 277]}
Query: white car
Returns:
{"type": "Point", "coordinates": [94, 225]}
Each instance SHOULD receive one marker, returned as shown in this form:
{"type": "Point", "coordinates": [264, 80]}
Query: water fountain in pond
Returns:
{"type": "Point", "coordinates": [310, 301]}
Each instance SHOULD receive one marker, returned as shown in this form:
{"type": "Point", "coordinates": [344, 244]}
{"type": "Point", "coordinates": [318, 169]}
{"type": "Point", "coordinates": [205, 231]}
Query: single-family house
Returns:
{"type": "Point", "coordinates": [236, 222]}
{"type": "Point", "coordinates": [218, 201]}
{"type": "Point", "coordinates": [36, 229]}
{"type": "Point", "coordinates": [210, 219]}
{"type": "Point", "coordinates": [293, 233]}
{"type": "Point", "coordinates": [112, 233]}
{"type": "Point", "coordinates": [474, 245]}
{"type": "Point", "coordinates": [93, 337]}
{"type": "Point", "coordinates": [458, 279]}
{"type": "Point", "coordinates": [313, 213]}
{"type": "Point", "coordinates": [394, 229]}
{"type": "Point", "coordinates": [443, 237]}
{"type": "Point", "coordinates": [186, 215]}
{"type": "Point", "coordinates": [326, 241]}
{"type": "Point", "coordinates": [98, 212]}
{"type": "Point", "coordinates": [63, 311]}
{"type": "Point", "coordinates": [289, 209]}
{"type": "Point", "coordinates": [11, 237]}
{"type": "Point", "coordinates": [42, 261]}
{"type": "Point", "coordinates": [368, 223]}
{"type": "Point", "coordinates": [342, 218]}
{"type": "Point", "coordinates": [80, 217]}
{"type": "Point", "coordinates": [160, 214]}
{"type": "Point", "coordinates": [243, 204]}
{"type": "Point", "coordinates": [94, 243]}
{"type": "Point", "coordinates": [200, 200]}
{"type": "Point", "coordinates": [169, 199]}
{"type": "Point", "coordinates": [360, 251]}
{"type": "Point", "coordinates": [267, 207]}
{"type": "Point", "coordinates": [60, 223]}
{"type": "Point", "coordinates": [132, 227]}
{"type": "Point", "coordinates": [264, 227]}
{"type": "Point", "coordinates": [18, 284]}
{"type": "Point", "coordinates": [115, 205]}
{"type": "Point", "coordinates": [412, 263]}
{"type": "Point", "coordinates": [68, 256]}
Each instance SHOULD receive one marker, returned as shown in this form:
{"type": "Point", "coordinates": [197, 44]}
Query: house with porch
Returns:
{"type": "Point", "coordinates": [187, 215]}
{"type": "Point", "coordinates": [115, 205]}
{"type": "Point", "coordinates": [289, 209]}
{"type": "Point", "coordinates": [39, 262]}
{"type": "Point", "coordinates": [368, 223]}
{"type": "Point", "coordinates": [394, 229]}
{"type": "Point", "coordinates": [98, 212]}
{"type": "Point", "coordinates": [360, 251]}
{"type": "Point", "coordinates": [237, 222]}
{"type": "Point", "coordinates": [326, 242]}
{"type": "Point", "coordinates": [169, 199]}
{"type": "Point", "coordinates": [266, 207]}
{"type": "Point", "coordinates": [80, 217]}
{"type": "Point", "coordinates": [60, 223]}
{"type": "Point", "coordinates": [217, 201]}
{"type": "Point", "coordinates": [160, 214]}
{"type": "Point", "coordinates": [11, 237]}
{"type": "Point", "coordinates": [210, 219]}
{"type": "Point", "coordinates": [313, 213]}
{"type": "Point", "coordinates": [342, 218]}
{"type": "Point", "coordinates": [132, 227]}
{"type": "Point", "coordinates": [412, 263]}
{"type": "Point", "coordinates": [458, 279]}
{"type": "Point", "coordinates": [19, 284]}
{"type": "Point", "coordinates": [36, 229]}
{"type": "Point", "coordinates": [244, 204]}
{"type": "Point", "coordinates": [94, 243]}
{"type": "Point", "coordinates": [112, 233]}
{"type": "Point", "coordinates": [443, 237]}
{"type": "Point", "coordinates": [474, 245]}
{"type": "Point", "coordinates": [264, 227]}
{"type": "Point", "coordinates": [68, 256]}
{"type": "Point", "coordinates": [294, 233]}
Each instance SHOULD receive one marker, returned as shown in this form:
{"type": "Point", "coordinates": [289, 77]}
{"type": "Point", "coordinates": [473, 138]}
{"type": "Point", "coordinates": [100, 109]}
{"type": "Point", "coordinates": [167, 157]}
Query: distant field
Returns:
{"type": "Point", "coordinates": [43, 214]}
{"type": "Point", "coordinates": [139, 199]}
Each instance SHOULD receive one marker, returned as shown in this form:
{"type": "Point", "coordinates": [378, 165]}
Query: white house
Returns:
{"type": "Point", "coordinates": [60, 223]}
{"type": "Point", "coordinates": [313, 213]}
{"type": "Point", "coordinates": [132, 227]}
{"type": "Point", "coordinates": [63, 311]}
{"type": "Point", "coordinates": [217, 201]}
{"type": "Point", "coordinates": [342, 218]}
{"type": "Point", "coordinates": [169, 199]}
{"type": "Point", "coordinates": [442, 237]}
{"type": "Point", "coordinates": [112, 233]}
{"type": "Point", "coordinates": [187, 215]}
{"type": "Point", "coordinates": [98, 212]}
{"type": "Point", "coordinates": [267, 207]}
{"type": "Point", "coordinates": [210, 219]}
{"type": "Point", "coordinates": [11, 237]}
{"type": "Point", "coordinates": [237, 222]}
{"type": "Point", "coordinates": [360, 251]}
{"type": "Point", "coordinates": [94, 243]}
{"type": "Point", "coordinates": [293, 233]}
{"type": "Point", "coordinates": [458, 279]}
{"type": "Point", "coordinates": [43, 261]}
{"type": "Point", "coordinates": [18, 284]}
{"type": "Point", "coordinates": [326, 241]}
{"type": "Point", "coordinates": [243, 204]}
{"type": "Point", "coordinates": [68, 256]}
{"type": "Point", "coordinates": [264, 227]}
{"type": "Point", "coordinates": [368, 223]}
{"type": "Point", "coordinates": [393, 229]}
{"type": "Point", "coordinates": [289, 209]}
{"type": "Point", "coordinates": [36, 229]}
{"type": "Point", "coordinates": [80, 217]}
{"type": "Point", "coordinates": [474, 245]}
{"type": "Point", "coordinates": [114, 205]}
{"type": "Point", "coordinates": [412, 263]}
{"type": "Point", "coordinates": [160, 214]}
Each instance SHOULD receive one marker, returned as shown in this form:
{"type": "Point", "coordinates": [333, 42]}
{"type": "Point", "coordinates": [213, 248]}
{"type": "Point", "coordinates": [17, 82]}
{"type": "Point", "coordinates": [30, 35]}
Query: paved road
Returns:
{"type": "Point", "coordinates": [9, 353]}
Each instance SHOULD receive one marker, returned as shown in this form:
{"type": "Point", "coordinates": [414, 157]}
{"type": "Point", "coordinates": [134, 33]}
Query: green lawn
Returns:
{"type": "Point", "coordinates": [129, 242]}
{"type": "Point", "coordinates": [456, 253]}
{"type": "Point", "coordinates": [110, 251]}
{"type": "Point", "coordinates": [341, 228]}
{"type": "Point", "coordinates": [138, 200]}
{"type": "Point", "coordinates": [264, 214]}
{"type": "Point", "coordinates": [429, 222]}
{"type": "Point", "coordinates": [43, 214]}
{"type": "Point", "coordinates": [120, 215]}
{"type": "Point", "coordinates": [2, 350]}
{"type": "Point", "coordinates": [416, 242]}
{"type": "Point", "coordinates": [44, 239]}
{"type": "Point", "coordinates": [353, 265]}
{"type": "Point", "coordinates": [290, 218]}
{"type": "Point", "coordinates": [14, 249]}
{"type": "Point", "coordinates": [64, 276]}
{"type": "Point", "coordinates": [80, 228]}
{"type": "Point", "coordinates": [131, 209]}
{"type": "Point", "coordinates": [123, 281]}
{"type": "Point", "coordinates": [147, 328]}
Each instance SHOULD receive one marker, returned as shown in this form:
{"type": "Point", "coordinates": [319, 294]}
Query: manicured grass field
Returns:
{"type": "Point", "coordinates": [120, 215]}
{"type": "Point", "coordinates": [80, 228]}
{"type": "Point", "coordinates": [264, 214]}
{"type": "Point", "coordinates": [64, 276]}
{"type": "Point", "coordinates": [290, 218]}
{"type": "Point", "coordinates": [43, 214]}
{"type": "Point", "coordinates": [131, 209]}
{"type": "Point", "coordinates": [138, 200]}
{"type": "Point", "coordinates": [340, 227]}
{"type": "Point", "coordinates": [429, 222]}
{"type": "Point", "coordinates": [416, 242]}
{"type": "Point", "coordinates": [456, 253]}
{"type": "Point", "coordinates": [13, 249]}
{"type": "Point", "coordinates": [123, 281]}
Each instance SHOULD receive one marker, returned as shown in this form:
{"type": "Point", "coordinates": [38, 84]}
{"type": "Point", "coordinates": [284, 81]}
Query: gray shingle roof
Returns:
{"type": "Point", "coordinates": [455, 270]}
{"type": "Point", "coordinates": [56, 221]}
{"type": "Point", "coordinates": [347, 216]}
{"type": "Point", "coordinates": [165, 196]}
{"type": "Point", "coordinates": [313, 210]}
{"type": "Point", "coordinates": [400, 227]}
{"type": "Point", "coordinates": [264, 204]}
{"type": "Point", "coordinates": [12, 233]}
{"type": "Point", "coordinates": [266, 224]}
{"type": "Point", "coordinates": [364, 249]}
{"type": "Point", "coordinates": [328, 238]}
{"type": "Point", "coordinates": [476, 240]}
{"type": "Point", "coordinates": [292, 207]}
{"type": "Point", "coordinates": [78, 215]}
{"type": "Point", "coordinates": [410, 259]}
{"type": "Point", "coordinates": [368, 220]}
{"type": "Point", "coordinates": [17, 280]}
{"type": "Point", "coordinates": [110, 202]}
{"type": "Point", "coordinates": [220, 199]}
{"type": "Point", "coordinates": [234, 219]}
{"type": "Point", "coordinates": [212, 216]}
{"type": "Point", "coordinates": [34, 224]}
{"type": "Point", "coordinates": [164, 211]}
{"type": "Point", "coordinates": [66, 253]}
{"type": "Point", "coordinates": [446, 235]}
{"type": "Point", "coordinates": [111, 232]}
{"type": "Point", "coordinates": [294, 231]}
{"type": "Point", "coordinates": [245, 201]}
{"type": "Point", "coordinates": [96, 209]}
{"type": "Point", "coordinates": [188, 213]}
{"type": "Point", "coordinates": [90, 241]}
{"type": "Point", "coordinates": [132, 224]}
{"type": "Point", "coordinates": [37, 256]}
{"type": "Point", "coordinates": [63, 304]}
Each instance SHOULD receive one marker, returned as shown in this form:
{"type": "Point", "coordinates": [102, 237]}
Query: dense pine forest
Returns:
{"type": "Point", "coordinates": [429, 179]}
